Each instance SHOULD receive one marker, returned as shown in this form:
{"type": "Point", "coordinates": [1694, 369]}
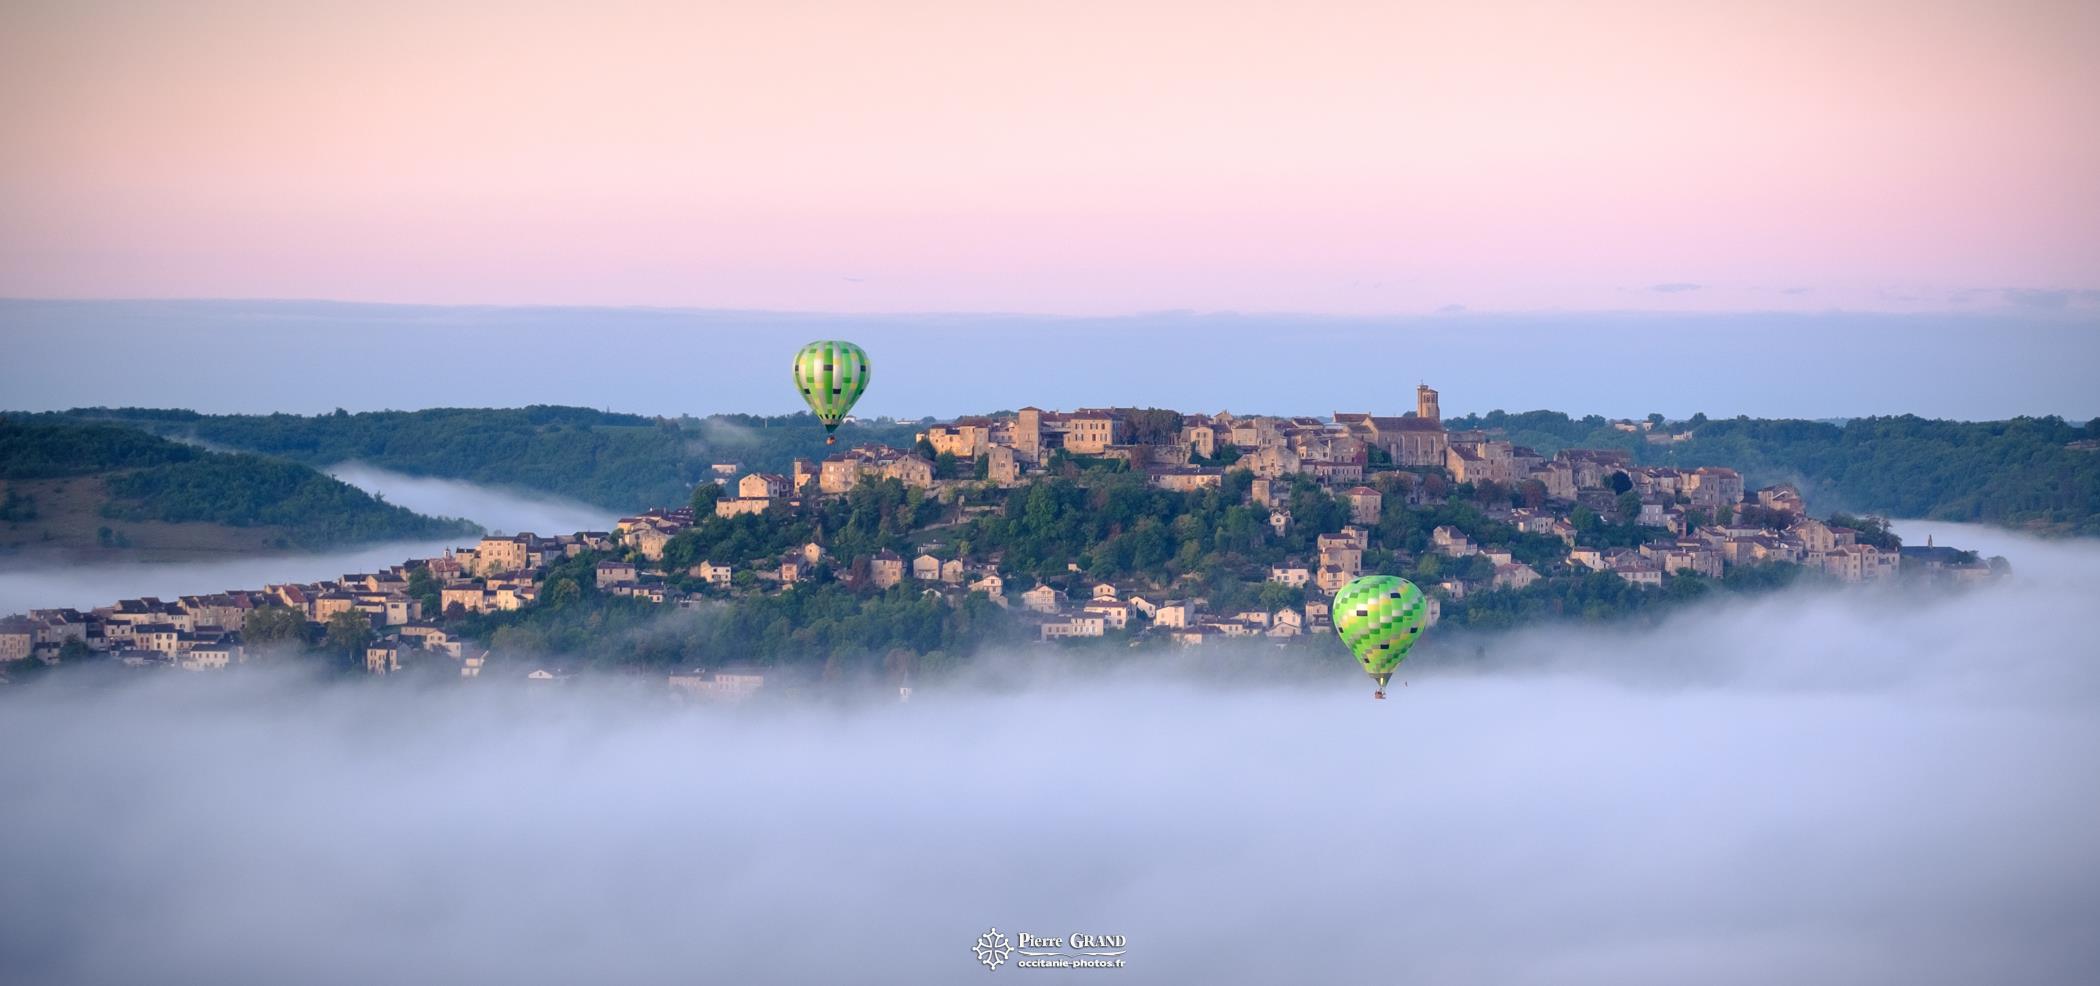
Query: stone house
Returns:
{"type": "Point", "coordinates": [383, 657]}
{"type": "Point", "coordinates": [712, 574]}
{"type": "Point", "coordinates": [1041, 599]}
{"type": "Point", "coordinates": [1002, 466]}
{"type": "Point", "coordinates": [1782, 498]}
{"type": "Point", "coordinates": [17, 638]}
{"type": "Point", "coordinates": [1185, 479]}
{"type": "Point", "coordinates": [649, 541]}
{"type": "Point", "coordinates": [885, 569]}
{"type": "Point", "coordinates": [926, 568]}
{"type": "Point", "coordinates": [738, 506]}
{"type": "Point", "coordinates": [505, 554]}
{"type": "Point", "coordinates": [1116, 615]}
{"type": "Point", "coordinates": [1514, 575]}
{"type": "Point", "coordinates": [1076, 625]}
{"type": "Point", "coordinates": [1365, 504]}
{"type": "Point", "coordinates": [1452, 542]}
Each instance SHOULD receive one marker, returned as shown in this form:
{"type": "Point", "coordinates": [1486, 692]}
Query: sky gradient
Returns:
{"type": "Point", "coordinates": [1076, 158]}
{"type": "Point", "coordinates": [310, 357]}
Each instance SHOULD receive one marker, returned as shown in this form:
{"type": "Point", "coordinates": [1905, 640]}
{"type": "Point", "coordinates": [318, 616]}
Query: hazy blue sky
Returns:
{"type": "Point", "coordinates": [315, 356]}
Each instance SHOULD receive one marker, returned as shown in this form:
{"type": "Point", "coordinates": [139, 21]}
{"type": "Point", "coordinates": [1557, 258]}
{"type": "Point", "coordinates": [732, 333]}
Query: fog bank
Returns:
{"type": "Point", "coordinates": [1863, 787]}
{"type": "Point", "coordinates": [48, 584]}
{"type": "Point", "coordinates": [54, 584]}
{"type": "Point", "coordinates": [498, 510]}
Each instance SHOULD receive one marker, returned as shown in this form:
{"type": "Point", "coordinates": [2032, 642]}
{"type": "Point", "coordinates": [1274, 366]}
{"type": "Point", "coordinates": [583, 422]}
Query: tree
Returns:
{"type": "Point", "coordinates": [1155, 426]}
{"type": "Point", "coordinates": [704, 497]}
{"type": "Point", "coordinates": [1276, 595]}
{"type": "Point", "coordinates": [1620, 482]}
{"type": "Point", "coordinates": [1629, 507]}
{"type": "Point", "coordinates": [274, 624]}
{"type": "Point", "coordinates": [1872, 530]}
{"type": "Point", "coordinates": [1533, 492]}
{"type": "Point", "coordinates": [423, 588]}
{"type": "Point", "coordinates": [565, 592]}
{"type": "Point", "coordinates": [349, 633]}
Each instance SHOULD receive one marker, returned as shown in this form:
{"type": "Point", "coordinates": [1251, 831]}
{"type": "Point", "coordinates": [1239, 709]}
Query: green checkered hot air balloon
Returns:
{"type": "Point", "coordinates": [831, 374]}
{"type": "Point", "coordinates": [1380, 617]}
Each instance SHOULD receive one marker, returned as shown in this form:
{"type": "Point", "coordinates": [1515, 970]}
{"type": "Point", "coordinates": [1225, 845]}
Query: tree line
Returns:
{"type": "Point", "coordinates": [153, 479]}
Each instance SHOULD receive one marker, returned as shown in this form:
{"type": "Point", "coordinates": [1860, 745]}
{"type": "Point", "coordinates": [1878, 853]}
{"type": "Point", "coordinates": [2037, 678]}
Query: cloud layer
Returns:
{"type": "Point", "coordinates": [1861, 788]}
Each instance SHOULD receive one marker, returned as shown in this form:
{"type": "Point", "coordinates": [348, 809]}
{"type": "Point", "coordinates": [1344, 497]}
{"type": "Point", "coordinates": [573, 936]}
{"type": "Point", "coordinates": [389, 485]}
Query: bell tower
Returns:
{"type": "Point", "coordinates": [1425, 404]}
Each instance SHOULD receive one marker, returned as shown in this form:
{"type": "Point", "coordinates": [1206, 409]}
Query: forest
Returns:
{"type": "Point", "coordinates": [624, 462]}
{"type": "Point", "coordinates": [2037, 473]}
{"type": "Point", "coordinates": [153, 479]}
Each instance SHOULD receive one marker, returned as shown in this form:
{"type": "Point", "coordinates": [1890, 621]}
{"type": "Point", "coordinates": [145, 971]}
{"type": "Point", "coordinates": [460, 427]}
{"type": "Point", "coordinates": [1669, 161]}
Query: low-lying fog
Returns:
{"type": "Point", "coordinates": [85, 586]}
{"type": "Point", "coordinates": [1866, 787]}
{"type": "Point", "coordinates": [53, 584]}
{"type": "Point", "coordinates": [498, 510]}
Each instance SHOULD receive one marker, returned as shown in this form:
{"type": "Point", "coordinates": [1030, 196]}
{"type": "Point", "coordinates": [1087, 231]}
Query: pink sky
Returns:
{"type": "Point", "coordinates": [1055, 157]}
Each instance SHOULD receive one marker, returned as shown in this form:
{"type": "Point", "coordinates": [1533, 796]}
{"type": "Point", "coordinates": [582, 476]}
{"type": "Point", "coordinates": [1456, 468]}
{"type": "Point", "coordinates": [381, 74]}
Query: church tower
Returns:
{"type": "Point", "coordinates": [1425, 404]}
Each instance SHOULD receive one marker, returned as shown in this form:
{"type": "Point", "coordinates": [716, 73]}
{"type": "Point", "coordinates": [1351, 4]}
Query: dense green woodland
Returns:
{"type": "Point", "coordinates": [2018, 473]}
{"type": "Point", "coordinates": [623, 462]}
{"type": "Point", "coordinates": [153, 479]}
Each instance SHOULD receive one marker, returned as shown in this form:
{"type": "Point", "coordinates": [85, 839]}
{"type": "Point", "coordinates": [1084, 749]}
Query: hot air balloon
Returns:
{"type": "Point", "coordinates": [831, 374]}
{"type": "Point", "coordinates": [1380, 617]}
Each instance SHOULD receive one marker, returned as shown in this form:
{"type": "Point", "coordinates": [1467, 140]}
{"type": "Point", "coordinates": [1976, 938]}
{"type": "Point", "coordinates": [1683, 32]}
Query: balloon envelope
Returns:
{"type": "Point", "coordinates": [1380, 617]}
{"type": "Point", "coordinates": [831, 374]}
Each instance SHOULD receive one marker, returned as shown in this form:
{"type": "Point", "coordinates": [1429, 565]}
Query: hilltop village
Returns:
{"type": "Point", "coordinates": [1331, 499]}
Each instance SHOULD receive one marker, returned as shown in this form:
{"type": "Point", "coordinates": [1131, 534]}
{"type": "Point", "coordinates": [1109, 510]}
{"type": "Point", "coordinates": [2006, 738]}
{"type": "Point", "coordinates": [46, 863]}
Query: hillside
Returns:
{"type": "Point", "coordinates": [2031, 473]}
{"type": "Point", "coordinates": [619, 461]}
{"type": "Point", "coordinates": [2034, 473]}
{"type": "Point", "coordinates": [83, 490]}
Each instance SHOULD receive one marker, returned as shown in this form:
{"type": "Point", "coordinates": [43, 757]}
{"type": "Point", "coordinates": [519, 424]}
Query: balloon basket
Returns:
{"type": "Point", "coordinates": [831, 439]}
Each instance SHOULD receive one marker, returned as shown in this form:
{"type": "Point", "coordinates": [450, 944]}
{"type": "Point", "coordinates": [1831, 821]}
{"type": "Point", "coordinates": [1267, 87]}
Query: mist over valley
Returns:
{"type": "Point", "coordinates": [1873, 786]}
